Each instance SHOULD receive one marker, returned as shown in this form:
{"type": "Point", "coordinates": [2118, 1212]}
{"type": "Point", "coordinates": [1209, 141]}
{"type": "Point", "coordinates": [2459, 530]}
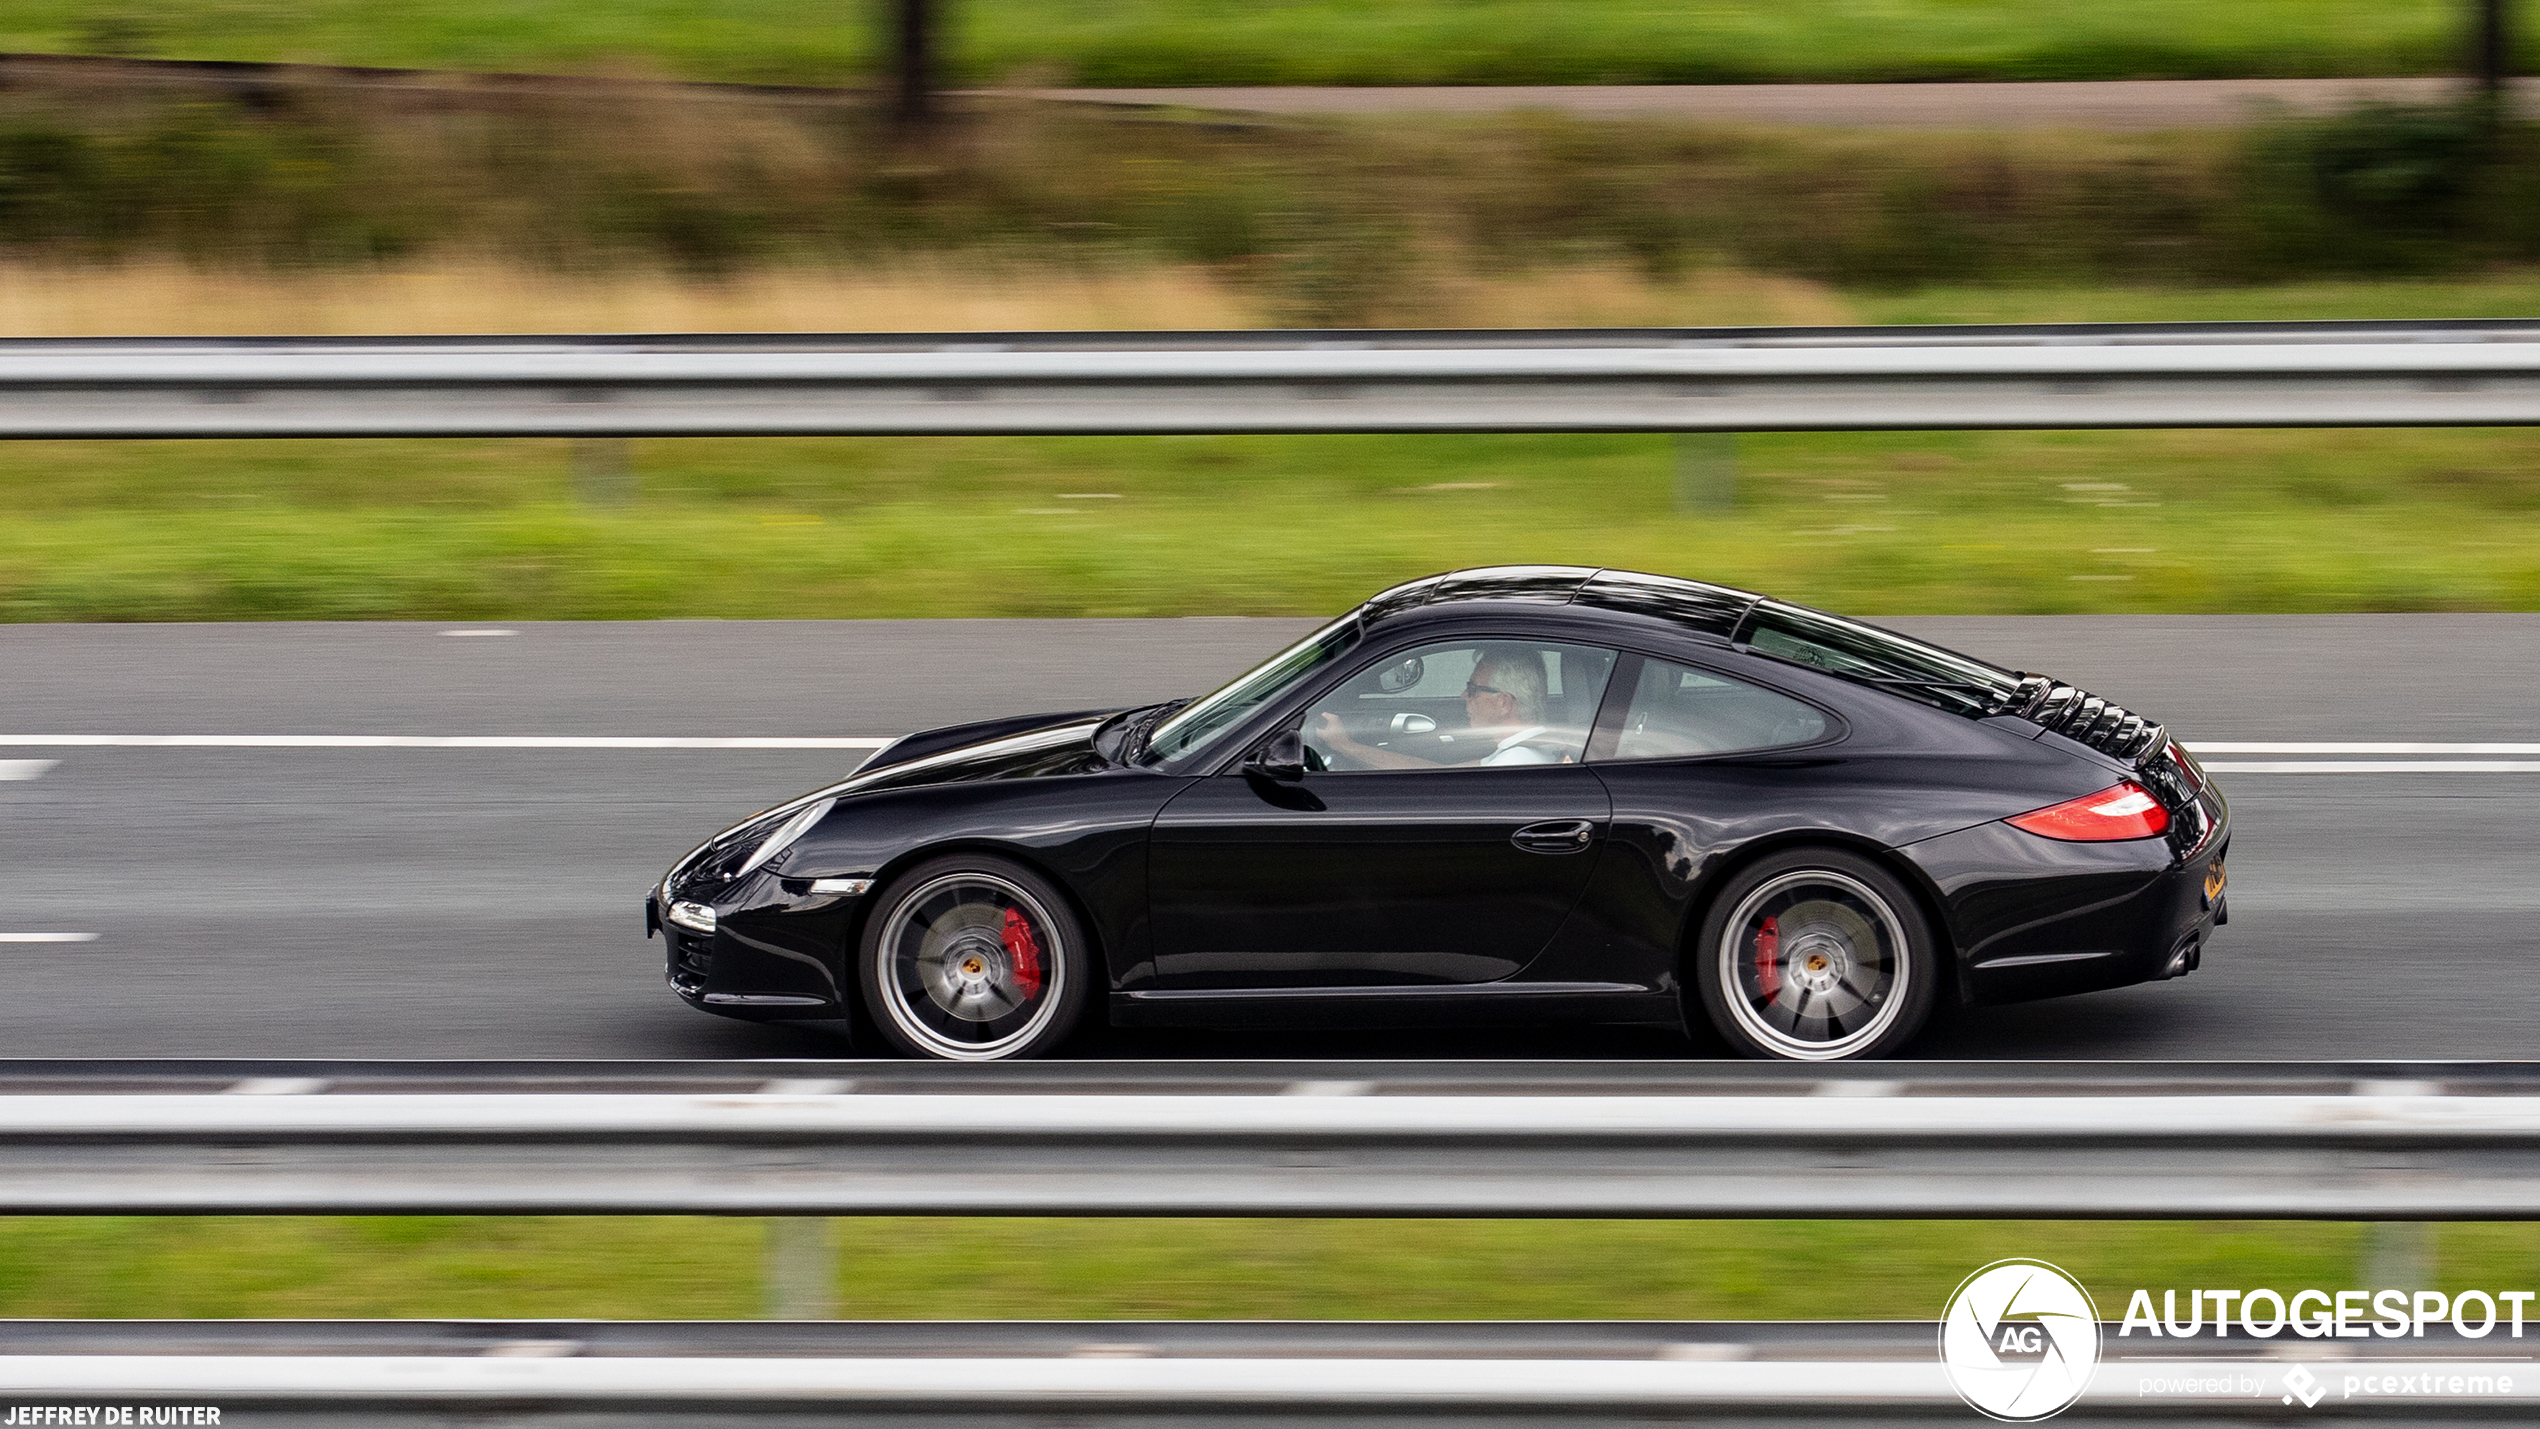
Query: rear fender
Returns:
{"type": "Point", "coordinates": [1926, 895]}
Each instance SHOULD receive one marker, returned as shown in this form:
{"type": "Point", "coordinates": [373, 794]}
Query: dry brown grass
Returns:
{"type": "Point", "coordinates": [168, 298]}
{"type": "Point", "coordinates": [1616, 296]}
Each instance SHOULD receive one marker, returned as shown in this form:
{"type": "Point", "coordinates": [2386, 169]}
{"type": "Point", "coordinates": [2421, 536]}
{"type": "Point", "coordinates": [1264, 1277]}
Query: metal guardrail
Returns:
{"type": "Point", "coordinates": [2064, 1143]}
{"type": "Point", "coordinates": [1738, 379]}
{"type": "Point", "coordinates": [1587, 1372]}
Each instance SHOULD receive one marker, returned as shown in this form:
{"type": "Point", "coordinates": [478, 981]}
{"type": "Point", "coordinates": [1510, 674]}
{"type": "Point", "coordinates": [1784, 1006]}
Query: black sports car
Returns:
{"type": "Point", "coordinates": [1519, 794]}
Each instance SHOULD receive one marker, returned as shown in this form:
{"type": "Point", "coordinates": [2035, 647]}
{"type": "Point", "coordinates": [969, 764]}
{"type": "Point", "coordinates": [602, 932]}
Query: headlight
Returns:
{"type": "Point", "coordinates": [695, 917]}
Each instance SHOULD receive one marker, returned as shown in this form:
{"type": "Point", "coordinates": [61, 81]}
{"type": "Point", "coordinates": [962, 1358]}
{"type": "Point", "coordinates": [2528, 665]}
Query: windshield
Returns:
{"type": "Point", "coordinates": [1879, 657]}
{"type": "Point", "coordinates": [1203, 720]}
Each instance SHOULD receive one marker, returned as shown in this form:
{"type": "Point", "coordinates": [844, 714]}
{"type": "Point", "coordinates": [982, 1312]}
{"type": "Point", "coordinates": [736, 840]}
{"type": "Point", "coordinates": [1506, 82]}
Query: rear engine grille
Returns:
{"type": "Point", "coordinates": [2085, 718]}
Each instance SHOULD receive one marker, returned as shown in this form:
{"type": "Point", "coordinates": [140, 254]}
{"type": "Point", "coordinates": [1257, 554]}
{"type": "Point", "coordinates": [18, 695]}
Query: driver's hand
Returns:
{"type": "Point", "coordinates": [1328, 730]}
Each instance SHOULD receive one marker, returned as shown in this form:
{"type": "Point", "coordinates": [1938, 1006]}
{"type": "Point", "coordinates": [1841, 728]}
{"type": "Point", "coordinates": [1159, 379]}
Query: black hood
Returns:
{"type": "Point", "coordinates": [1064, 744]}
{"type": "Point", "coordinates": [1029, 747]}
{"type": "Point", "coordinates": [910, 748]}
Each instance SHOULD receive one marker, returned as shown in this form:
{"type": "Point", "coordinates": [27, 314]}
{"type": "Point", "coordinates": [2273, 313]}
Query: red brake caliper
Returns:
{"type": "Point", "coordinates": [1025, 949]}
{"type": "Point", "coordinates": [1768, 959]}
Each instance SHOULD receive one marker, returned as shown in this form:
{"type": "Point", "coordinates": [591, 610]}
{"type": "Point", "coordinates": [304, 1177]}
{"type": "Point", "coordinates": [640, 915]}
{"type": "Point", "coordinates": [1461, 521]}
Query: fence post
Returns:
{"type": "Point", "coordinates": [1706, 471]}
{"type": "Point", "coordinates": [802, 1268]}
{"type": "Point", "coordinates": [913, 62]}
{"type": "Point", "coordinates": [2492, 56]}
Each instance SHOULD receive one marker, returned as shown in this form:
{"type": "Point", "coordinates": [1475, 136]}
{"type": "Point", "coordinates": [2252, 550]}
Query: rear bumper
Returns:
{"type": "Point", "coordinates": [2032, 917]}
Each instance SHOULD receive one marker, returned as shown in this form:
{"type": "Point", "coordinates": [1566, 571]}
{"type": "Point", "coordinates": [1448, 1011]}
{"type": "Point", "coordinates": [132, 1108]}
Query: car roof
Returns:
{"type": "Point", "coordinates": [1709, 610]}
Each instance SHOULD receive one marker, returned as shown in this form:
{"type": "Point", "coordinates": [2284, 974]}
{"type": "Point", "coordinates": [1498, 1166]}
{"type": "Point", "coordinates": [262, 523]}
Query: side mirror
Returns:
{"type": "Point", "coordinates": [1281, 761]}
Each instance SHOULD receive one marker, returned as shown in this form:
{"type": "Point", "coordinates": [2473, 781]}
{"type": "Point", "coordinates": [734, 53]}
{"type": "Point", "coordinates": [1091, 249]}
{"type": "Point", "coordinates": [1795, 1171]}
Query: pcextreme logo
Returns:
{"type": "Point", "coordinates": [2020, 1340]}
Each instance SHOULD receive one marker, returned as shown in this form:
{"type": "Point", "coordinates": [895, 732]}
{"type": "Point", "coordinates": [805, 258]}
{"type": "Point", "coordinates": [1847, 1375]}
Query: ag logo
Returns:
{"type": "Point", "coordinates": [2020, 1340]}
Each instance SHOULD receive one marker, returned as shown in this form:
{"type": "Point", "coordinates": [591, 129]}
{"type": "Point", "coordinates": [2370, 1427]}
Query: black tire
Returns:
{"type": "Point", "coordinates": [973, 958]}
{"type": "Point", "coordinates": [1855, 978]}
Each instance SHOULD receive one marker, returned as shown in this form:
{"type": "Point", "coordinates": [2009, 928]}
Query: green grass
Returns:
{"type": "Point", "coordinates": [2501, 295]}
{"type": "Point", "coordinates": [1872, 523]}
{"type": "Point", "coordinates": [1303, 41]}
{"type": "Point", "coordinates": [646, 1268]}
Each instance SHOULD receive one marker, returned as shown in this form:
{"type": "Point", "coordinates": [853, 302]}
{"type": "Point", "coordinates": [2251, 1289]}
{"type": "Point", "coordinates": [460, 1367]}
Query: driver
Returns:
{"type": "Point", "coordinates": [1505, 697]}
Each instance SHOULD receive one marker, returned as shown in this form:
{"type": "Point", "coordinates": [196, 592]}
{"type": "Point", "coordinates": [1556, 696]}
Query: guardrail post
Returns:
{"type": "Point", "coordinates": [2399, 1255]}
{"type": "Point", "coordinates": [802, 1268]}
{"type": "Point", "coordinates": [603, 471]}
{"type": "Point", "coordinates": [1706, 471]}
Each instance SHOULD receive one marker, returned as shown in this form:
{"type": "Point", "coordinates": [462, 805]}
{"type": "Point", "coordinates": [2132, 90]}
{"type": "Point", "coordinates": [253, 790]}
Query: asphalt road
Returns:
{"type": "Point", "coordinates": [484, 902]}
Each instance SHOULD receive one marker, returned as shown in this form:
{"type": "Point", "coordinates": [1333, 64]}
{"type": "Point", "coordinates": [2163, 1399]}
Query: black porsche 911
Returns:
{"type": "Point", "coordinates": [1519, 794]}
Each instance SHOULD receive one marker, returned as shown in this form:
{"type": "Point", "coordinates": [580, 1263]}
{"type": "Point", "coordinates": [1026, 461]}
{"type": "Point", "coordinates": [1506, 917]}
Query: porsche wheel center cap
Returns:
{"type": "Point", "coordinates": [1818, 965]}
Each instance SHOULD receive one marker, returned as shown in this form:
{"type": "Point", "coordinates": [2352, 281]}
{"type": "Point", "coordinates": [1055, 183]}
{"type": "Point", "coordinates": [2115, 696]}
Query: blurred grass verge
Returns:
{"type": "Point", "coordinates": [324, 213]}
{"type": "Point", "coordinates": [999, 1268]}
{"type": "Point", "coordinates": [1872, 523]}
{"type": "Point", "coordinates": [1170, 42]}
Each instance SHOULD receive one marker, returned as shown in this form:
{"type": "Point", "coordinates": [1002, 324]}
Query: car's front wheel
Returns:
{"type": "Point", "coordinates": [1816, 955]}
{"type": "Point", "coordinates": [973, 959]}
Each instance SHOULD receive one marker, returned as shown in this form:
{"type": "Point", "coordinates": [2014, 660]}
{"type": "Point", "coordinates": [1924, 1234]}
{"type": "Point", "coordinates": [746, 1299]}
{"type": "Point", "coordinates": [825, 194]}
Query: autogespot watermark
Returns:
{"type": "Point", "coordinates": [2323, 1314]}
{"type": "Point", "coordinates": [2022, 1341]}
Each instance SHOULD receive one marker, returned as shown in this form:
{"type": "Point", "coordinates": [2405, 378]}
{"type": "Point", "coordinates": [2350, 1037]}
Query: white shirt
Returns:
{"type": "Point", "coordinates": [1513, 750]}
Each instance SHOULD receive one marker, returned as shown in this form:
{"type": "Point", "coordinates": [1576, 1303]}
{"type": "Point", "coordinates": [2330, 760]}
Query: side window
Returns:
{"type": "Point", "coordinates": [1462, 704]}
{"type": "Point", "coordinates": [1677, 710]}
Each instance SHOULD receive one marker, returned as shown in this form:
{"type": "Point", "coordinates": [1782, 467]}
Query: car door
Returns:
{"type": "Point", "coordinates": [1454, 861]}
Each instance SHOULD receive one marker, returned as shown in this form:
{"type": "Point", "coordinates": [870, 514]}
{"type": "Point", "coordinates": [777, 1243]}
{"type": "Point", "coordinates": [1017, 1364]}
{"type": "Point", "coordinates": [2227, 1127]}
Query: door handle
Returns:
{"type": "Point", "coordinates": [1555, 836]}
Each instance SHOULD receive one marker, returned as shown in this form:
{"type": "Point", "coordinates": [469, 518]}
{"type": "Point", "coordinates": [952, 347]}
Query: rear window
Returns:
{"type": "Point", "coordinates": [1880, 658]}
{"type": "Point", "coordinates": [1677, 711]}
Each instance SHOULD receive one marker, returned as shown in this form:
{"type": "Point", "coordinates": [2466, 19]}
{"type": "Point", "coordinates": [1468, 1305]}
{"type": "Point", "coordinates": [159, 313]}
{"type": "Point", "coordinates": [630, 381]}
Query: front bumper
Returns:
{"type": "Point", "coordinates": [778, 951]}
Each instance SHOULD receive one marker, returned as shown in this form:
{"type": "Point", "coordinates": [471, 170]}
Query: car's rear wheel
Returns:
{"type": "Point", "coordinates": [1816, 955]}
{"type": "Point", "coordinates": [973, 959]}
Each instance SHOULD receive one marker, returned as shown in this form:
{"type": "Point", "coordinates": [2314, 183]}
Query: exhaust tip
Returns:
{"type": "Point", "coordinates": [2182, 961]}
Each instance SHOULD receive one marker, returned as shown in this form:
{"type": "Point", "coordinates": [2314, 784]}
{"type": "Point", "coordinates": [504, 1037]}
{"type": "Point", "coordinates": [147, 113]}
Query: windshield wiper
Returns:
{"type": "Point", "coordinates": [1127, 732]}
{"type": "Point", "coordinates": [1142, 728]}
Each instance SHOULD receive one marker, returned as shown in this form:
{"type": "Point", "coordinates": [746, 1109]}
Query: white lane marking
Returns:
{"type": "Point", "coordinates": [430, 741]}
{"type": "Point", "coordinates": [2376, 766]}
{"type": "Point", "coordinates": [48, 937]}
{"type": "Point", "coordinates": [480, 632]}
{"type": "Point", "coordinates": [25, 768]}
{"type": "Point", "coordinates": [2202, 747]}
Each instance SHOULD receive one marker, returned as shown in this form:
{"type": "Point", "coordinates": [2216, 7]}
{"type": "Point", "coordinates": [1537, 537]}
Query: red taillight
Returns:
{"type": "Point", "coordinates": [2125, 811]}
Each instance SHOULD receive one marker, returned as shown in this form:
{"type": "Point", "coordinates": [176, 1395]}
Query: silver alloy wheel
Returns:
{"type": "Point", "coordinates": [957, 973]}
{"type": "Point", "coordinates": [1815, 951]}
